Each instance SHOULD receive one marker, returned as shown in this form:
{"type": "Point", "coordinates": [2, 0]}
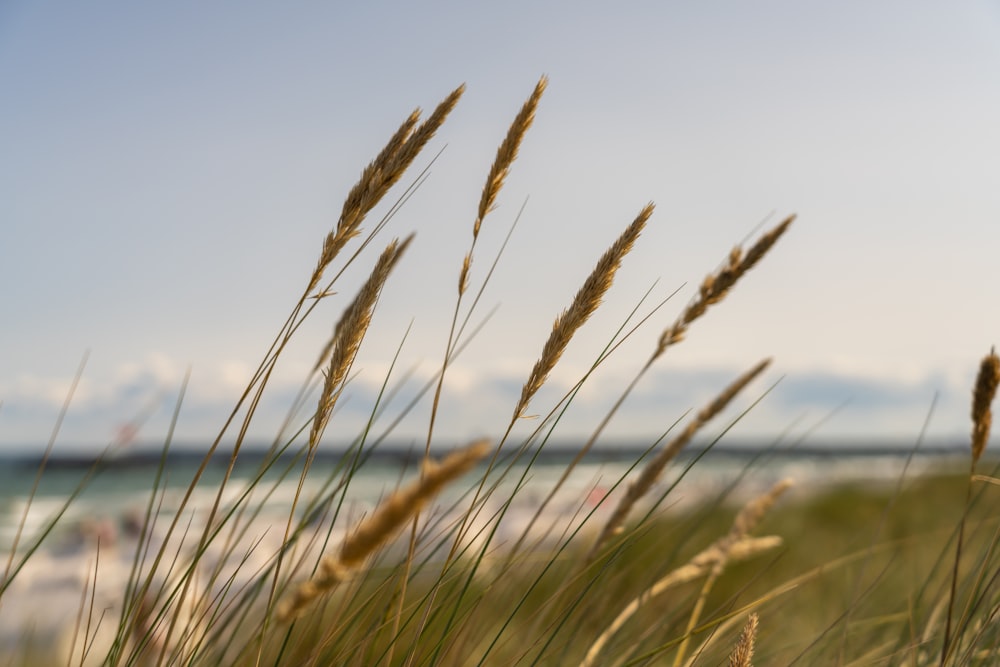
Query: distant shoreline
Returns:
{"type": "Point", "coordinates": [141, 456]}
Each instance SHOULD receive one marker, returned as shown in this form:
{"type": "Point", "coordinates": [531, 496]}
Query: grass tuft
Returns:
{"type": "Point", "coordinates": [501, 561]}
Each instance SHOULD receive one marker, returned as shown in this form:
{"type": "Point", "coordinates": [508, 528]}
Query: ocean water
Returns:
{"type": "Point", "coordinates": [77, 493]}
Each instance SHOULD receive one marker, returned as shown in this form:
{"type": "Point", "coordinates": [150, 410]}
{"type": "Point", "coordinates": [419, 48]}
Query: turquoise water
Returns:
{"type": "Point", "coordinates": [121, 491]}
{"type": "Point", "coordinates": [66, 495]}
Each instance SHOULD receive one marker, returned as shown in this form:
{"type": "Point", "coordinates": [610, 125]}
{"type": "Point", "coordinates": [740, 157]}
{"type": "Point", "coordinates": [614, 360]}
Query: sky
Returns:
{"type": "Point", "coordinates": [168, 172]}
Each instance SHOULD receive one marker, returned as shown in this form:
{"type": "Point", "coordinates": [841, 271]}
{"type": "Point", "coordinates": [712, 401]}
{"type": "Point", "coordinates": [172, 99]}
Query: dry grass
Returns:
{"type": "Point", "coordinates": [462, 594]}
{"type": "Point", "coordinates": [735, 545]}
{"type": "Point", "coordinates": [714, 288]}
{"type": "Point", "coordinates": [982, 399]}
{"type": "Point", "coordinates": [742, 655]}
{"type": "Point", "coordinates": [717, 285]}
{"type": "Point", "coordinates": [376, 530]}
{"type": "Point", "coordinates": [586, 301]}
{"type": "Point", "coordinates": [378, 178]}
{"type": "Point", "coordinates": [983, 394]}
{"type": "Point", "coordinates": [651, 473]}
{"type": "Point", "coordinates": [348, 334]}
{"type": "Point", "coordinates": [507, 153]}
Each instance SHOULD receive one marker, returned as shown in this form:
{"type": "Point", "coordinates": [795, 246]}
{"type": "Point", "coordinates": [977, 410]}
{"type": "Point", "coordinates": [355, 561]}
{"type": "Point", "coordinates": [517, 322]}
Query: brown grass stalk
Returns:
{"type": "Point", "coordinates": [348, 334]}
{"type": "Point", "coordinates": [379, 176]}
{"type": "Point", "coordinates": [982, 399]}
{"type": "Point", "coordinates": [586, 301]}
{"type": "Point", "coordinates": [743, 653]}
{"type": "Point", "coordinates": [982, 419]}
{"type": "Point", "coordinates": [373, 532]}
{"type": "Point", "coordinates": [651, 473]}
{"type": "Point", "coordinates": [340, 352]}
{"type": "Point", "coordinates": [751, 514]}
{"type": "Point", "coordinates": [735, 546]}
{"type": "Point", "coordinates": [507, 153]}
{"type": "Point", "coordinates": [716, 286]}
{"type": "Point", "coordinates": [698, 566]}
{"type": "Point", "coordinates": [745, 521]}
{"type": "Point", "coordinates": [719, 626]}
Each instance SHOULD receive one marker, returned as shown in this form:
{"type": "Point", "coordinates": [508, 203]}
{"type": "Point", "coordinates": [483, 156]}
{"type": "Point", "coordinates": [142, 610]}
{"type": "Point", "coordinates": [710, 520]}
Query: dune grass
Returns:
{"type": "Point", "coordinates": [855, 575]}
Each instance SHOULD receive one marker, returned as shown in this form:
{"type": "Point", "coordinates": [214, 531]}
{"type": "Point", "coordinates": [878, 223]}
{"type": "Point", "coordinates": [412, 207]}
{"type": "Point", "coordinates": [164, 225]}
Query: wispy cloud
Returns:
{"type": "Point", "coordinates": [475, 404]}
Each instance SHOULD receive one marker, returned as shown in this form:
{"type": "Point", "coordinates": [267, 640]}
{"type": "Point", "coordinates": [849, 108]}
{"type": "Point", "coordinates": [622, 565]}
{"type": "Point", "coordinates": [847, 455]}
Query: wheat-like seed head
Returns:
{"type": "Point", "coordinates": [698, 566]}
{"type": "Point", "coordinates": [746, 520]}
{"type": "Point", "coordinates": [379, 176]}
{"type": "Point", "coordinates": [403, 504]}
{"type": "Point", "coordinates": [361, 198]}
{"type": "Point", "coordinates": [754, 511]}
{"type": "Point", "coordinates": [743, 653]}
{"type": "Point", "coordinates": [424, 133]}
{"type": "Point", "coordinates": [725, 550]}
{"type": "Point", "coordinates": [329, 575]}
{"type": "Point", "coordinates": [373, 532]}
{"type": "Point", "coordinates": [376, 177]}
{"type": "Point", "coordinates": [721, 552]}
{"type": "Point", "coordinates": [507, 153]}
{"type": "Point", "coordinates": [348, 334]}
{"type": "Point", "coordinates": [586, 301]}
{"type": "Point", "coordinates": [647, 478]}
{"type": "Point", "coordinates": [463, 276]}
{"type": "Point", "coordinates": [716, 286]}
{"type": "Point", "coordinates": [982, 399]}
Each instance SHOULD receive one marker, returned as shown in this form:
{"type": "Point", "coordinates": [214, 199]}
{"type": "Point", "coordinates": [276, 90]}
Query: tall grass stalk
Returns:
{"type": "Point", "coordinates": [437, 573]}
{"type": "Point", "coordinates": [982, 418]}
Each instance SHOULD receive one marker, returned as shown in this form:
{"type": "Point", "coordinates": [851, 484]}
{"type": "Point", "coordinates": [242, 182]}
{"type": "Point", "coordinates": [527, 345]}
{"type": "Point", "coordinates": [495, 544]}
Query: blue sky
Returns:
{"type": "Point", "coordinates": [168, 173]}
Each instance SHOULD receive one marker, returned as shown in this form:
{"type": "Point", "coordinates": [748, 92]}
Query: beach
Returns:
{"type": "Point", "coordinates": [102, 545]}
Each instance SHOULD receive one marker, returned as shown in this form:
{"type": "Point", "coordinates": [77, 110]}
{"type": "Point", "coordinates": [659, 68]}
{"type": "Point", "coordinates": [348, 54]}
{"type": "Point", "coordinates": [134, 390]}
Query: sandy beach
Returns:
{"type": "Point", "coordinates": [74, 585]}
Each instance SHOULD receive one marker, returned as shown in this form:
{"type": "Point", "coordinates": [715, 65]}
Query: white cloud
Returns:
{"type": "Point", "coordinates": [479, 402]}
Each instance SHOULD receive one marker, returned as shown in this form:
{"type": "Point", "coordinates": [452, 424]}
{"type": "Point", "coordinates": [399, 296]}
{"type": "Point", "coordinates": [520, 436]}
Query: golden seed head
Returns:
{"type": "Point", "coordinates": [379, 176]}
{"type": "Point", "coordinates": [754, 511]}
{"type": "Point", "coordinates": [743, 653]}
{"type": "Point", "coordinates": [507, 153]}
{"type": "Point", "coordinates": [716, 286]}
{"type": "Point", "coordinates": [734, 256]}
{"type": "Point", "coordinates": [654, 468]}
{"type": "Point", "coordinates": [982, 399]}
{"type": "Point", "coordinates": [586, 301]}
{"type": "Point", "coordinates": [348, 333]}
{"type": "Point", "coordinates": [463, 276]}
{"type": "Point", "coordinates": [374, 531]}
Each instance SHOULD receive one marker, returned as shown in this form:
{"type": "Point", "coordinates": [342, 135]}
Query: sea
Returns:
{"type": "Point", "coordinates": [47, 500]}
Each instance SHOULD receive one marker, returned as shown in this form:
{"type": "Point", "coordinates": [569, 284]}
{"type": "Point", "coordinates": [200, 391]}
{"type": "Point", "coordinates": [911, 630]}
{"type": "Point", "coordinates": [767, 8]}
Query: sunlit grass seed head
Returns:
{"type": "Point", "coordinates": [379, 176]}
{"type": "Point", "coordinates": [982, 400]}
{"type": "Point", "coordinates": [743, 653]}
{"type": "Point", "coordinates": [586, 301]}
{"type": "Point", "coordinates": [716, 286]}
{"type": "Point", "coordinates": [373, 532]}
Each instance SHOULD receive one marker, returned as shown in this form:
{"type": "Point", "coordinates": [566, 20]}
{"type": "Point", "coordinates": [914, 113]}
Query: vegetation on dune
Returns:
{"type": "Point", "coordinates": [904, 575]}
